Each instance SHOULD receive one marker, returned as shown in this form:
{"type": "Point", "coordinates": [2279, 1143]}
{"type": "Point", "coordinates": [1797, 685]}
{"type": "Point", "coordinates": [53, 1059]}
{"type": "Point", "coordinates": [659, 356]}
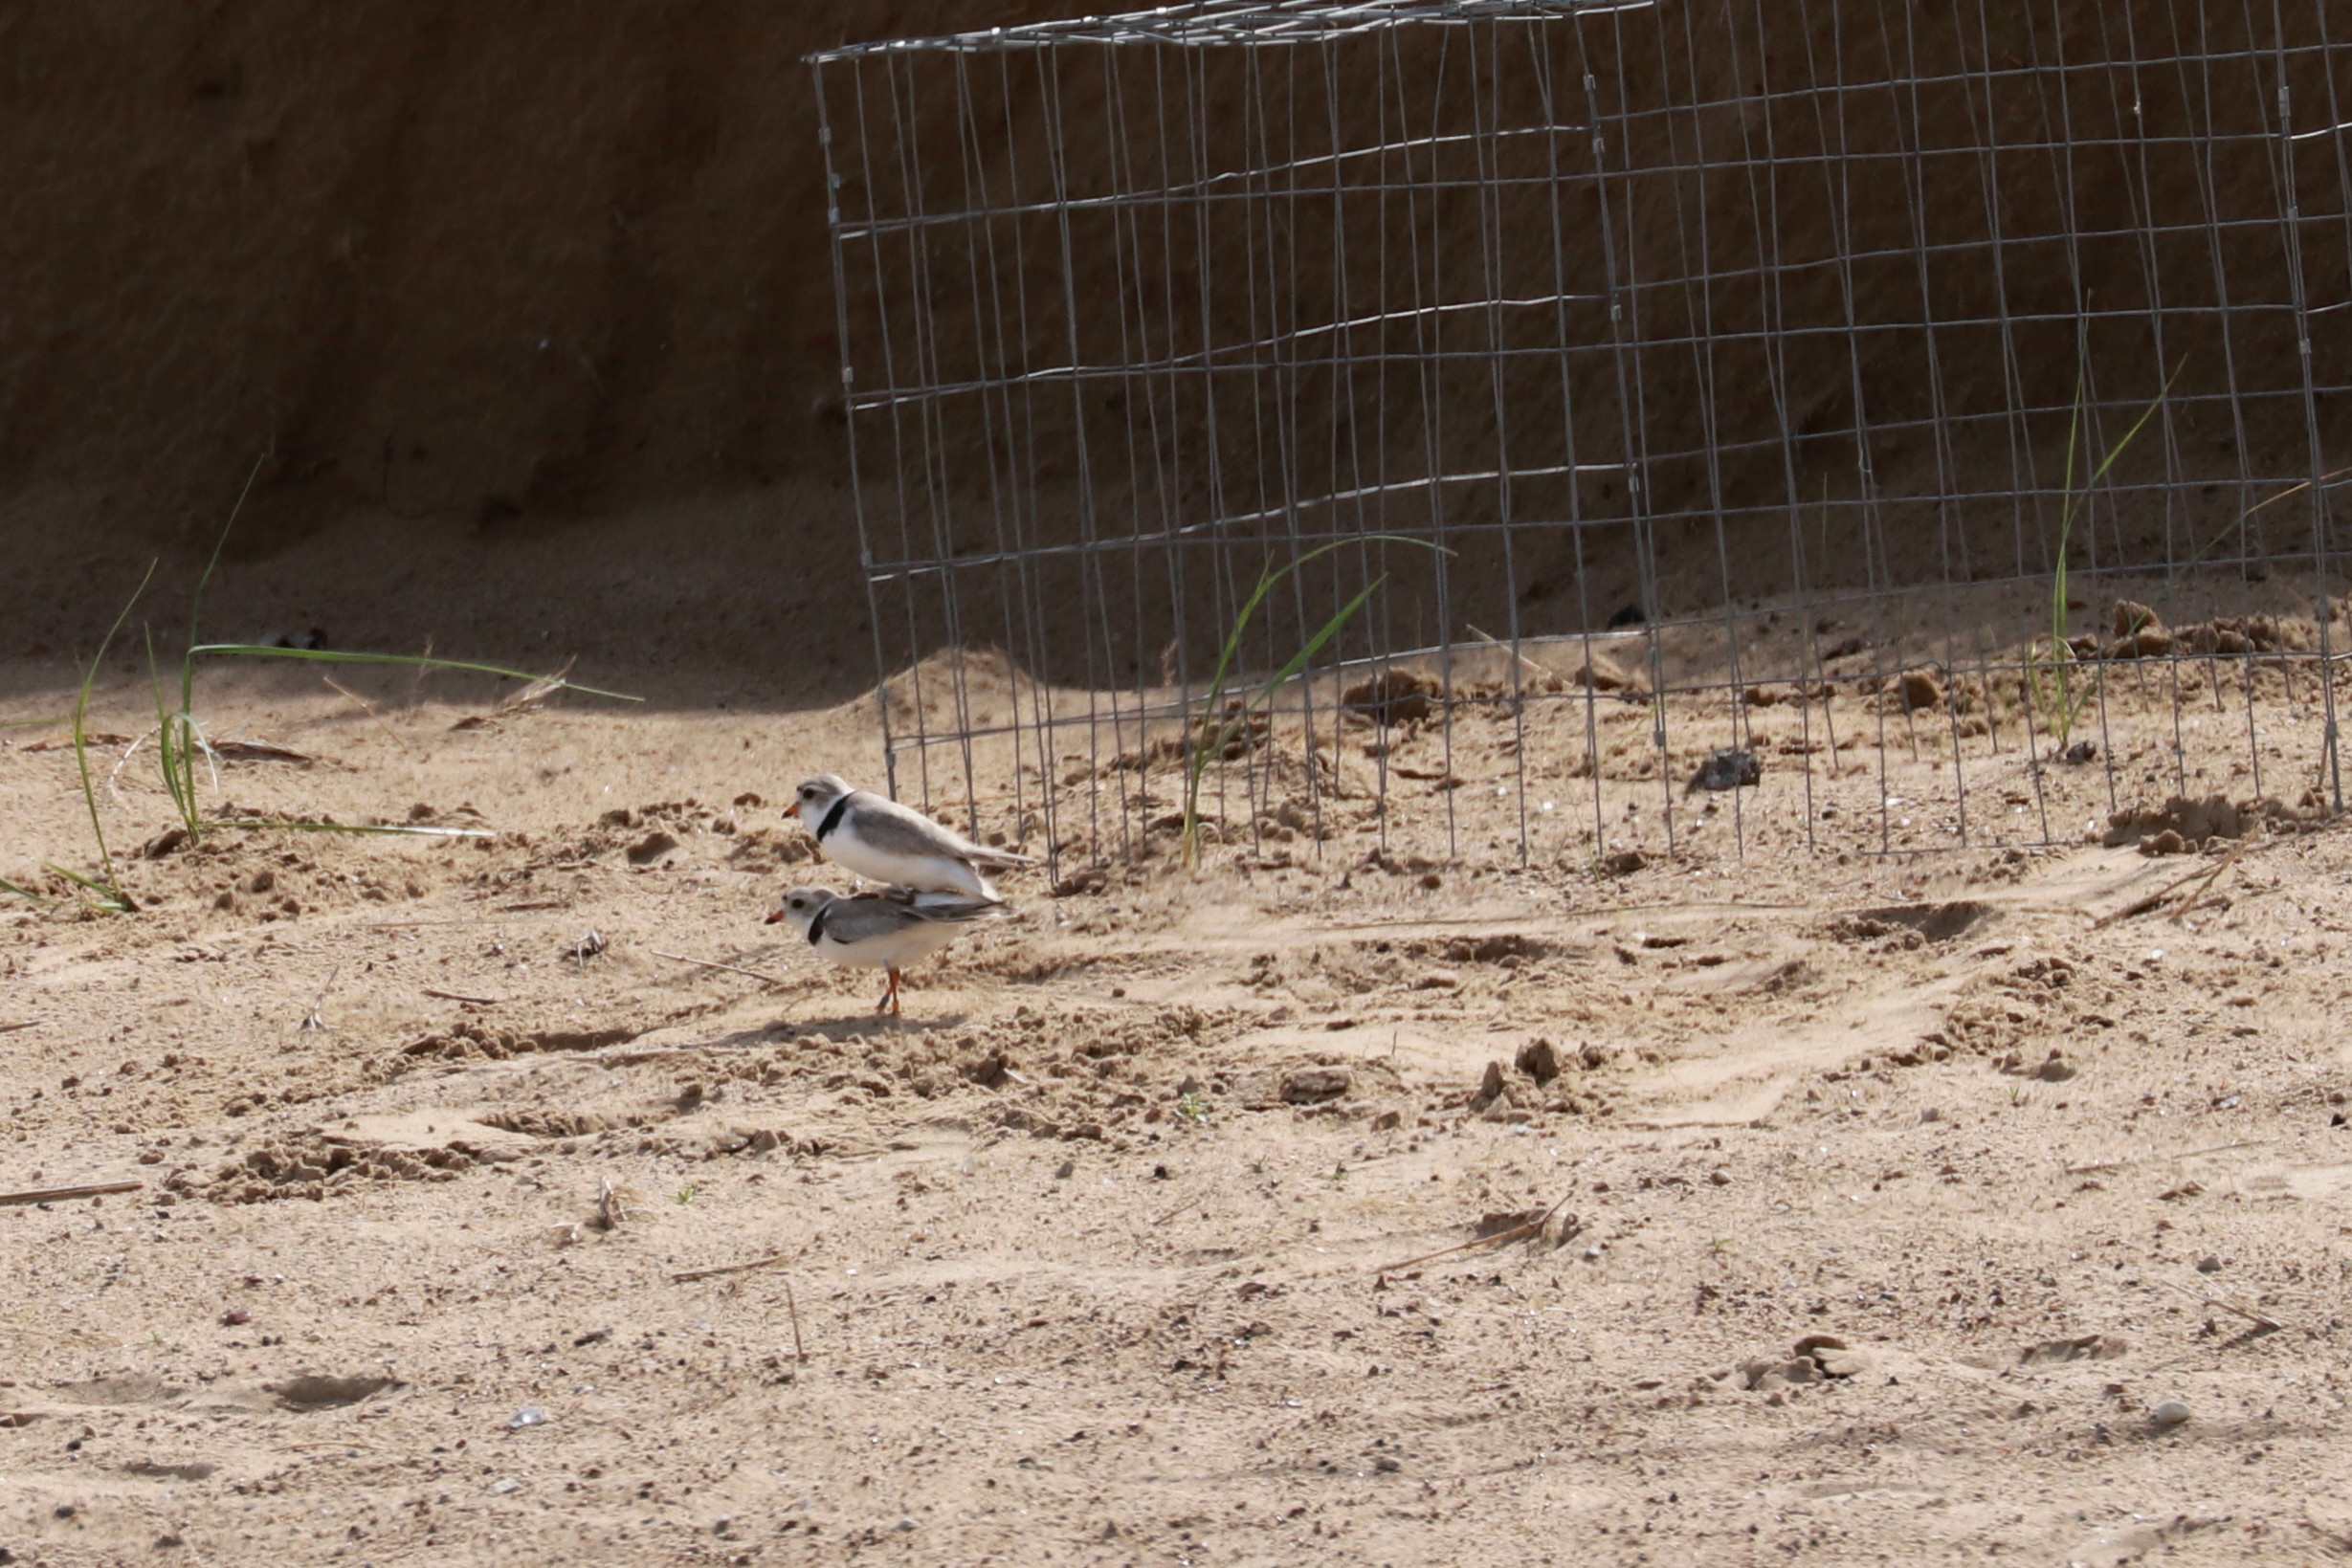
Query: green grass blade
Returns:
{"type": "Point", "coordinates": [1314, 646]}
{"type": "Point", "coordinates": [13, 891]}
{"type": "Point", "coordinates": [1216, 732]}
{"type": "Point", "coordinates": [81, 750]}
{"type": "Point", "coordinates": [181, 783]}
{"type": "Point", "coordinates": [1266, 583]}
{"type": "Point", "coordinates": [325, 655]}
{"type": "Point", "coordinates": [196, 600]}
{"type": "Point", "coordinates": [402, 830]}
{"type": "Point", "coordinates": [108, 896]}
{"type": "Point", "coordinates": [1230, 650]}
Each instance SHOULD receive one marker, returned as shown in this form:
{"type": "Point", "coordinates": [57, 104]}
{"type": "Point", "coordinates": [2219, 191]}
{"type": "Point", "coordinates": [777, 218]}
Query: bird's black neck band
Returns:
{"type": "Point", "coordinates": [833, 818]}
{"type": "Point", "coordinates": [816, 924]}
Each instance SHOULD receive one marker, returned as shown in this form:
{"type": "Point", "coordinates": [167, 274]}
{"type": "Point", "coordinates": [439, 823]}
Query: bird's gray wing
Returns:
{"type": "Point", "coordinates": [870, 914]}
{"type": "Point", "coordinates": [897, 830]}
{"type": "Point", "coordinates": [952, 908]}
{"type": "Point", "coordinates": [853, 921]}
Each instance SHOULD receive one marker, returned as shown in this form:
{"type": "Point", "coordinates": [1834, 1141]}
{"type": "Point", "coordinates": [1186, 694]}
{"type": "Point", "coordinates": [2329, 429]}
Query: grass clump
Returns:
{"type": "Point", "coordinates": [104, 891]}
{"type": "Point", "coordinates": [2061, 692]}
{"type": "Point", "coordinates": [1223, 719]}
{"type": "Point", "coordinates": [180, 741]}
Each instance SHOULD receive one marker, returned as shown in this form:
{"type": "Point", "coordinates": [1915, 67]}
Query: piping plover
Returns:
{"type": "Point", "coordinates": [885, 842]}
{"type": "Point", "coordinates": [886, 929]}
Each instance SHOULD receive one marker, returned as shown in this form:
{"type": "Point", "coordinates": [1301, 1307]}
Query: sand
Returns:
{"type": "Point", "coordinates": [477, 1224]}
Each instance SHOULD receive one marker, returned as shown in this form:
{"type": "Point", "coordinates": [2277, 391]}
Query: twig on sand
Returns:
{"type": "Point", "coordinates": [1530, 1228]}
{"type": "Point", "coordinates": [2205, 877]}
{"type": "Point", "coordinates": [24, 1024]}
{"type": "Point", "coordinates": [476, 1001]}
{"type": "Point", "coordinates": [768, 1262]}
{"type": "Point", "coordinates": [2184, 1153]}
{"type": "Point", "coordinates": [536, 691]}
{"type": "Point", "coordinates": [311, 1020]}
{"type": "Point", "coordinates": [1523, 658]}
{"type": "Point", "coordinates": [47, 1195]}
{"type": "Point", "coordinates": [800, 1354]}
{"type": "Point", "coordinates": [2268, 1325]}
{"type": "Point", "coordinates": [260, 751]}
{"type": "Point", "coordinates": [714, 963]}
{"type": "Point", "coordinates": [368, 709]}
{"type": "Point", "coordinates": [2205, 889]}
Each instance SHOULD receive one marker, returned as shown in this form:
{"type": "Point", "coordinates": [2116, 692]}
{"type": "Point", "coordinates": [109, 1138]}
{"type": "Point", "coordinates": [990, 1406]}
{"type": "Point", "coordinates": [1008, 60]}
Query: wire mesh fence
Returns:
{"type": "Point", "coordinates": [1853, 425]}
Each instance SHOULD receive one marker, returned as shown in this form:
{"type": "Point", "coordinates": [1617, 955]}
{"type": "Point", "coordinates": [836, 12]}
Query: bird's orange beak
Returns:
{"type": "Point", "coordinates": [793, 809]}
{"type": "Point", "coordinates": [774, 915]}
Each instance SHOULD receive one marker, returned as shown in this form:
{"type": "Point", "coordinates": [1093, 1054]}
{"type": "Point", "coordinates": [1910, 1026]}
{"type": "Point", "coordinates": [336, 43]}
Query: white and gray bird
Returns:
{"type": "Point", "coordinates": [886, 929]}
{"type": "Point", "coordinates": [885, 842]}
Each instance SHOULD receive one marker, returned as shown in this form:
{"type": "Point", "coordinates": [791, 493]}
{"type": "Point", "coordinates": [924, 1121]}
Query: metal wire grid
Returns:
{"type": "Point", "coordinates": [1684, 312]}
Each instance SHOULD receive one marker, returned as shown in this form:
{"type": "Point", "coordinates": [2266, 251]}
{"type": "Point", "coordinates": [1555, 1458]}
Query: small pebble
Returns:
{"type": "Point", "coordinates": [2168, 1415]}
{"type": "Point", "coordinates": [2209, 1265]}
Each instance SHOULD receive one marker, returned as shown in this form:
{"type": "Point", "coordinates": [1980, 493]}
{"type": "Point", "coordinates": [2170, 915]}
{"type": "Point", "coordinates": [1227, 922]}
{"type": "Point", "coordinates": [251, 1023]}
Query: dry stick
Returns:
{"type": "Point", "coordinates": [11, 1029]}
{"type": "Point", "coordinates": [416, 681]}
{"type": "Point", "coordinates": [370, 712]}
{"type": "Point", "coordinates": [2156, 900]}
{"type": "Point", "coordinates": [477, 1001]}
{"type": "Point", "coordinates": [799, 1355]}
{"type": "Point", "coordinates": [536, 691]}
{"type": "Point", "coordinates": [2205, 889]}
{"type": "Point", "coordinates": [311, 1020]}
{"type": "Point", "coordinates": [1522, 657]}
{"type": "Point", "coordinates": [58, 1194]}
{"type": "Point", "coordinates": [1158, 1220]}
{"type": "Point", "coordinates": [2224, 1148]}
{"type": "Point", "coordinates": [2184, 1153]}
{"type": "Point", "coordinates": [713, 963]}
{"type": "Point", "coordinates": [2273, 1324]}
{"type": "Point", "coordinates": [266, 751]}
{"type": "Point", "coordinates": [1511, 1235]}
{"type": "Point", "coordinates": [693, 1274]}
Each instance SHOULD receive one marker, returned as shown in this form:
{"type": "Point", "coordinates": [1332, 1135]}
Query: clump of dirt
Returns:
{"type": "Point", "coordinates": [2183, 824]}
{"type": "Point", "coordinates": [1495, 948]}
{"type": "Point", "coordinates": [1726, 767]}
{"type": "Point", "coordinates": [1393, 696]}
{"type": "Point", "coordinates": [1926, 922]}
{"type": "Point", "coordinates": [319, 1167]}
{"type": "Point", "coordinates": [471, 1041]}
{"type": "Point", "coordinates": [559, 1124]}
{"type": "Point", "coordinates": [2002, 1013]}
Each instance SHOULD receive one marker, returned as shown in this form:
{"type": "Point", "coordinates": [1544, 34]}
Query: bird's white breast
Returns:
{"type": "Point", "coordinates": [904, 870]}
{"type": "Point", "coordinates": [894, 950]}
